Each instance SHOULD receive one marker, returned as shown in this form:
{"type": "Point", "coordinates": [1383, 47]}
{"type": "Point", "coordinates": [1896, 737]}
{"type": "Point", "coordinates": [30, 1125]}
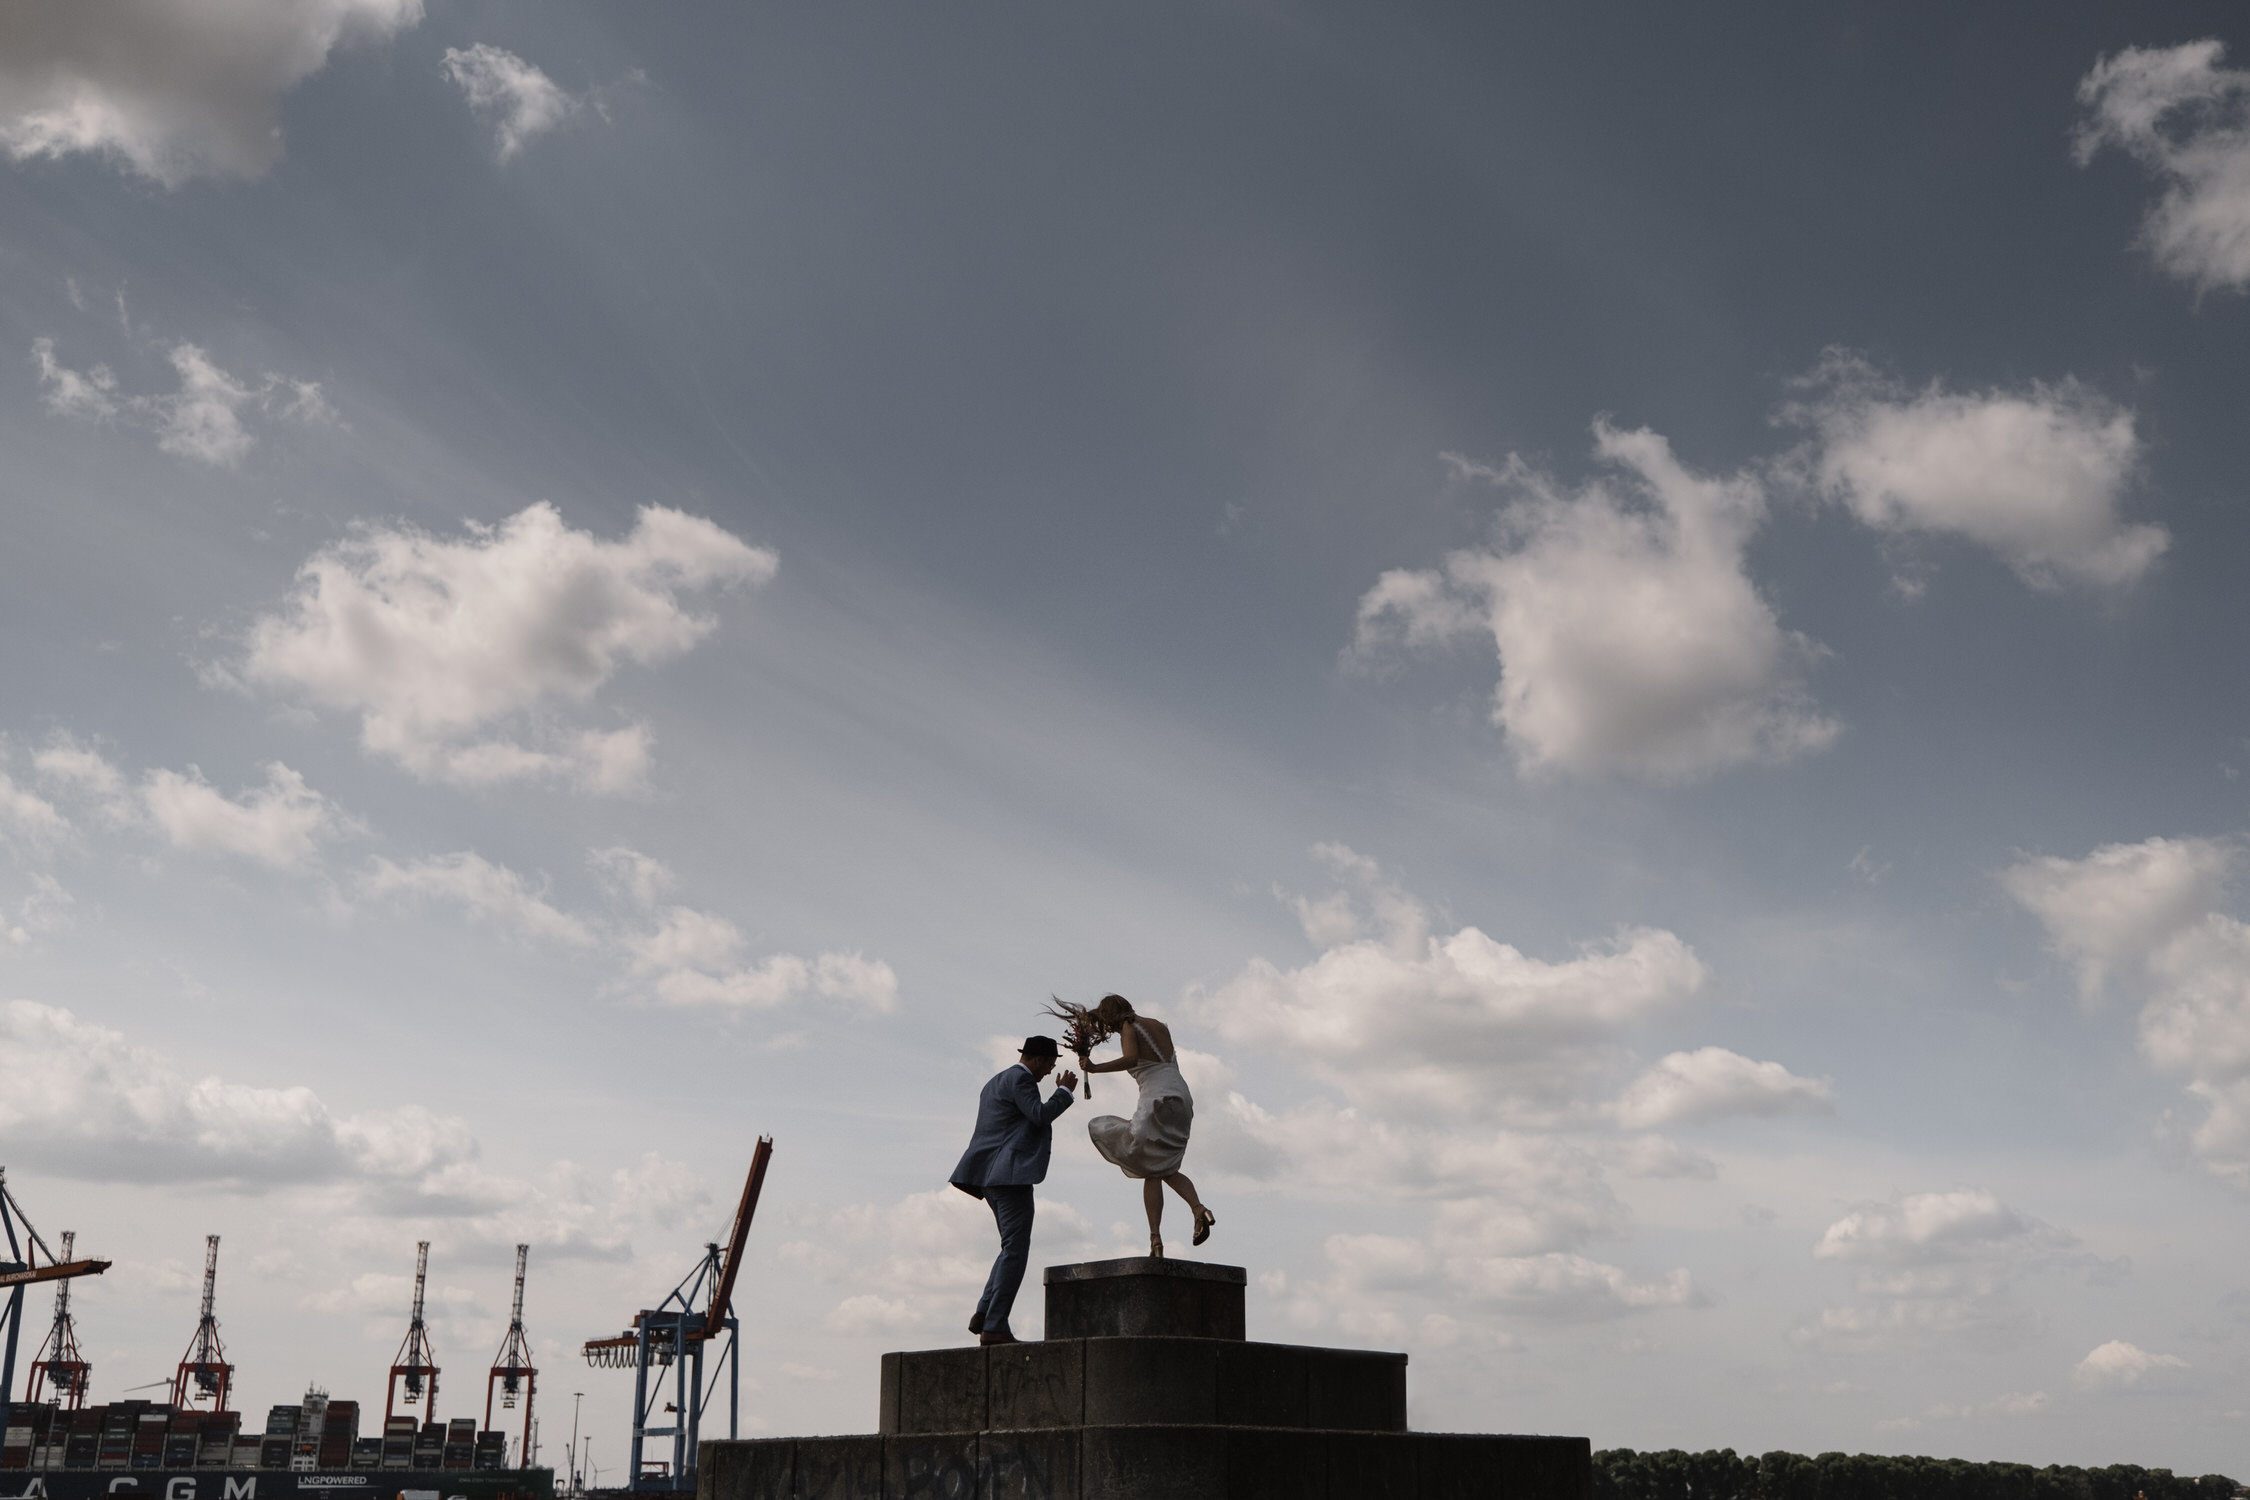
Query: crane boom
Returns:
{"type": "Point", "coordinates": [723, 1299]}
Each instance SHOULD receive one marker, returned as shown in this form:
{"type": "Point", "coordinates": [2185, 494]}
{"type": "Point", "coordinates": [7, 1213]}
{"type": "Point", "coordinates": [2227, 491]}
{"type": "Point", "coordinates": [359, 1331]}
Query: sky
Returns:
{"type": "Point", "coordinates": [1627, 618]}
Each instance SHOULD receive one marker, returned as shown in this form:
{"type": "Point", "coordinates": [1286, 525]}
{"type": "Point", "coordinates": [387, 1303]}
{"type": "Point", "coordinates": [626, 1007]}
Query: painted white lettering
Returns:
{"type": "Point", "coordinates": [240, 1489]}
{"type": "Point", "coordinates": [179, 1487]}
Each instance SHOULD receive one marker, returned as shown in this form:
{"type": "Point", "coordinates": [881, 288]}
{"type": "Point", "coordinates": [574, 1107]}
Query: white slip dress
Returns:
{"type": "Point", "coordinates": [1154, 1141]}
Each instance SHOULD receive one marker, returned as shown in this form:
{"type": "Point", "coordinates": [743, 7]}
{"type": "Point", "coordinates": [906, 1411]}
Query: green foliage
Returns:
{"type": "Point", "coordinates": [1623, 1474]}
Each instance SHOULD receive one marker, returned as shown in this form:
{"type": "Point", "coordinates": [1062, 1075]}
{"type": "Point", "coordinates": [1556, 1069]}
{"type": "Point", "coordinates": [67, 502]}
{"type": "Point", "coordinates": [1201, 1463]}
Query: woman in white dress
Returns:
{"type": "Point", "coordinates": [1150, 1145]}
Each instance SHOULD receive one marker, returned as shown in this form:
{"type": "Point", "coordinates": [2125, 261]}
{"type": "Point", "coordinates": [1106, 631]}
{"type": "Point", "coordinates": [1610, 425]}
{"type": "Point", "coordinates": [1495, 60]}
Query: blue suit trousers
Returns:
{"type": "Point", "coordinates": [1012, 1211]}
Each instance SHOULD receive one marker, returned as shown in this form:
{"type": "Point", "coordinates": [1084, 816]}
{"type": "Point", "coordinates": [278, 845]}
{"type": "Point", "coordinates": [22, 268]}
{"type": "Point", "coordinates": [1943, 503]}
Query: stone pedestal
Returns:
{"type": "Point", "coordinates": [1145, 1388]}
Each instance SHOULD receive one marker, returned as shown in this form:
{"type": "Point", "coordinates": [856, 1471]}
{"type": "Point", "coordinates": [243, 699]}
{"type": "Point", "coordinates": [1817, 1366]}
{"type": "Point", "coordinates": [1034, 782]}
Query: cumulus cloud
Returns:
{"type": "Point", "coordinates": [693, 958]}
{"type": "Point", "coordinates": [171, 89]}
{"type": "Point", "coordinates": [91, 394]}
{"type": "Point", "coordinates": [2186, 119]}
{"type": "Point", "coordinates": [46, 908]}
{"type": "Point", "coordinates": [28, 821]}
{"type": "Point", "coordinates": [1929, 1228]}
{"type": "Point", "coordinates": [1455, 1026]}
{"type": "Point", "coordinates": [202, 418]}
{"type": "Point", "coordinates": [487, 891]}
{"type": "Point", "coordinates": [2144, 915]}
{"type": "Point", "coordinates": [1939, 1267]}
{"type": "Point", "coordinates": [2117, 1365]}
{"type": "Point", "coordinates": [87, 1103]}
{"type": "Point", "coordinates": [512, 96]}
{"type": "Point", "coordinates": [1369, 1274]}
{"type": "Point", "coordinates": [1631, 638]}
{"type": "Point", "coordinates": [929, 1254]}
{"type": "Point", "coordinates": [1475, 1089]}
{"type": "Point", "coordinates": [2038, 476]}
{"type": "Point", "coordinates": [436, 643]}
{"type": "Point", "coordinates": [631, 875]}
{"type": "Point", "coordinates": [1712, 1083]}
{"type": "Point", "coordinates": [282, 823]}
{"type": "Point", "coordinates": [2112, 909]}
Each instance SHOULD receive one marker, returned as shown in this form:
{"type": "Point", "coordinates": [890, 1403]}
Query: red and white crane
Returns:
{"type": "Point", "coordinates": [415, 1362]}
{"type": "Point", "coordinates": [511, 1368]}
{"type": "Point", "coordinates": [21, 1268]}
{"type": "Point", "coordinates": [60, 1366]}
{"type": "Point", "coordinates": [204, 1374]}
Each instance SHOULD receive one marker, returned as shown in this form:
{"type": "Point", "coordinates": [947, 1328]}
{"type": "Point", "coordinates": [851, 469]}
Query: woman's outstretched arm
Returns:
{"type": "Point", "coordinates": [1131, 1045]}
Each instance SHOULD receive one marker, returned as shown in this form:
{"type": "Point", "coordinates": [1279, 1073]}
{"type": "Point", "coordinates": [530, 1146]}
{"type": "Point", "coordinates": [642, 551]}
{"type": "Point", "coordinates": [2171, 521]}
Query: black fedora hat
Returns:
{"type": "Point", "coordinates": [1040, 1046]}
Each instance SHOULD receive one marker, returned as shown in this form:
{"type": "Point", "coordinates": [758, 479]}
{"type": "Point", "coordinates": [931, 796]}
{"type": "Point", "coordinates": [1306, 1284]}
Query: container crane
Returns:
{"type": "Point", "coordinates": [511, 1367]}
{"type": "Point", "coordinates": [416, 1361]}
{"type": "Point", "coordinates": [204, 1374]}
{"type": "Point", "coordinates": [60, 1366]}
{"type": "Point", "coordinates": [672, 1335]}
{"type": "Point", "coordinates": [22, 1269]}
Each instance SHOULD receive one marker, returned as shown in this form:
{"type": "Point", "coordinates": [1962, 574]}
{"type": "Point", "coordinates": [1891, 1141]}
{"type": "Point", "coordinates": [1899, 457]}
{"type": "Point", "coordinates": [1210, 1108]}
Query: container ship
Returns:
{"type": "Point", "coordinates": [154, 1449]}
{"type": "Point", "coordinates": [193, 1447]}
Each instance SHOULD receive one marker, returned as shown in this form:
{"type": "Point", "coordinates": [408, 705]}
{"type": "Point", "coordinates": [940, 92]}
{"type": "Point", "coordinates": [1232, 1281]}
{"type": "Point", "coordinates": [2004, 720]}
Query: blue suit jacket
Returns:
{"type": "Point", "coordinates": [1013, 1136]}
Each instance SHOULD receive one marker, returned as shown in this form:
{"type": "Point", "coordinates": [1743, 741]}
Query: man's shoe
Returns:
{"type": "Point", "coordinates": [997, 1336]}
{"type": "Point", "coordinates": [976, 1322]}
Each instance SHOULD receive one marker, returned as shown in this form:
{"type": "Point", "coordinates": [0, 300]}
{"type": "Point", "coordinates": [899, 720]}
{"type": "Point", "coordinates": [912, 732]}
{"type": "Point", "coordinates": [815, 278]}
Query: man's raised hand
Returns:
{"type": "Point", "coordinates": [1069, 1080]}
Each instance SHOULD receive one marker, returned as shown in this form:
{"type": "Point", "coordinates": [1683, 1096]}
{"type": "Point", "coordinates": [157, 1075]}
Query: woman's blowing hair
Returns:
{"type": "Point", "coordinates": [1113, 1012]}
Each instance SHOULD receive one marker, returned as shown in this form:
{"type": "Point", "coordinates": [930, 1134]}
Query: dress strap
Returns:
{"type": "Point", "coordinates": [1149, 1042]}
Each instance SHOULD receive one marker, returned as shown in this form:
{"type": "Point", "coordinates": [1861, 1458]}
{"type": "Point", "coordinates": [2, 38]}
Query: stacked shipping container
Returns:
{"type": "Point", "coordinates": [316, 1434]}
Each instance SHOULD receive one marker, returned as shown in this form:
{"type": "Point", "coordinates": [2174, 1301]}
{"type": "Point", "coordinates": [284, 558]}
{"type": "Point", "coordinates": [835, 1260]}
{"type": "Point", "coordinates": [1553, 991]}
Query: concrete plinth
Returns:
{"type": "Point", "coordinates": [1140, 1295]}
{"type": "Point", "coordinates": [1146, 1389]}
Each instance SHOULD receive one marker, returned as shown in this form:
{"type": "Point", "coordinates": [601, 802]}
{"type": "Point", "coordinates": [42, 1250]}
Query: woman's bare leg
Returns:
{"type": "Point", "coordinates": [1180, 1185]}
{"type": "Point", "coordinates": [1152, 1199]}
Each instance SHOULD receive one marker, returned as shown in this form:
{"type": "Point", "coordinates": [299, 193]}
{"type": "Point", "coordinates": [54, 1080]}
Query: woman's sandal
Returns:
{"type": "Point", "coordinates": [1156, 1247]}
{"type": "Point", "coordinates": [1204, 1219]}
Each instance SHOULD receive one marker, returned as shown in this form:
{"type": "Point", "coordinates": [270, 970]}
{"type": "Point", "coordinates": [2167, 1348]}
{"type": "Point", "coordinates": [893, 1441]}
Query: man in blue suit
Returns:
{"type": "Point", "coordinates": [1005, 1157]}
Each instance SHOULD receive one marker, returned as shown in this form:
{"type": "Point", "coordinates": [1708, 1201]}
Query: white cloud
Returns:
{"type": "Point", "coordinates": [87, 1103]}
{"type": "Point", "coordinates": [1939, 1267]}
{"type": "Point", "coordinates": [435, 642]}
{"type": "Point", "coordinates": [1712, 1083]}
{"type": "Point", "coordinates": [2116, 906]}
{"type": "Point", "coordinates": [693, 958]}
{"type": "Point", "coordinates": [2038, 476]}
{"type": "Point", "coordinates": [487, 891]}
{"type": "Point", "coordinates": [282, 824]}
{"type": "Point", "coordinates": [1458, 1026]}
{"type": "Point", "coordinates": [201, 419]}
{"type": "Point", "coordinates": [2117, 1364]}
{"type": "Point", "coordinates": [631, 875]}
{"type": "Point", "coordinates": [1927, 1228]}
{"type": "Point", "coordinates": [1370, 1275]}
{"type": "Point", "coordinates": [2187, 120]}
{"type": "Point", "coordinates": [2144, 914]}
{"type": "Point", "coordinates": [91, 395]}
{"type": "Point", "coordinates": [1631, 638]}
{"type": "Point", "coordinates": [46, 909]}
{"type": "Point", "coordinates": [28, 820]}
{"type": "Point", "coordinates": [926, 1256]}
{"type": "Point", "coordinates": [84, 771]}
{"type": "Point", "coordinates": [173, 89]}
{"type": "Point", "coordinates": [513, 96]}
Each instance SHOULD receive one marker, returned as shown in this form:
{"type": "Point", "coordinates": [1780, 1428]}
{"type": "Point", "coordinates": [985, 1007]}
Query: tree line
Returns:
{"type": "Point", "coordinates": [1624, 1474]}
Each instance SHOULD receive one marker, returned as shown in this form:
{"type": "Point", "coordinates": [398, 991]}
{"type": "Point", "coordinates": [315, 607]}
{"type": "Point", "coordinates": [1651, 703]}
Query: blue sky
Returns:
{"type": "Point", "coordinates": [1628, 620]}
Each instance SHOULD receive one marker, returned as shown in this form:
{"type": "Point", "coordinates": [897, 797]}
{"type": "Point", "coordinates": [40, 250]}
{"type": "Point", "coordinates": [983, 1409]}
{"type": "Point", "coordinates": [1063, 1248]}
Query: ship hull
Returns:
{"type": "Point", "coordinates": [278, 1484]}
